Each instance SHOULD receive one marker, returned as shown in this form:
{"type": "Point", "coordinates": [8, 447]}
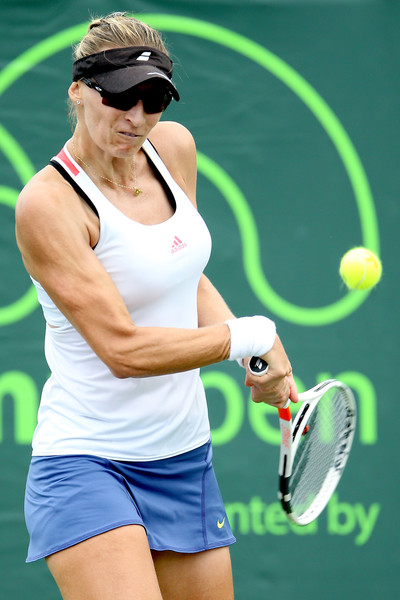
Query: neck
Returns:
{"type": "Point", "coordinates": [120, 172]}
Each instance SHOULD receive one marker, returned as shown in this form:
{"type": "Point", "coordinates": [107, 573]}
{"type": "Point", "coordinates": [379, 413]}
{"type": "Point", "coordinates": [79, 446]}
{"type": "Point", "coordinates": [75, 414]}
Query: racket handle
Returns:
{"type": "Point", "coordinates": [258, 366]}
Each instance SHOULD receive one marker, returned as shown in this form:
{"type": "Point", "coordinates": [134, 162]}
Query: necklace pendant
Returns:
{"type": "Point", "coordinates": [137, 191]}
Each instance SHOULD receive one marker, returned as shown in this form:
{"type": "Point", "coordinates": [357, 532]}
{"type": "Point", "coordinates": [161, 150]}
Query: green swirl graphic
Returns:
{"type": "Point", "coordinates": [228, 188]}
{"type": "Point", "coordinates": [13, 152]}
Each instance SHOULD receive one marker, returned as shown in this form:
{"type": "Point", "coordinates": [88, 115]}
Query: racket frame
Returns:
{"type": "Point", "coordinates": [291, 434]}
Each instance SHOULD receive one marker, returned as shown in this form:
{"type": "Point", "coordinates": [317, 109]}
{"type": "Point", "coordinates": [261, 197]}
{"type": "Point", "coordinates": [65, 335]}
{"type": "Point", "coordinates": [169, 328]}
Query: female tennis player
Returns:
{"type": "Point", "coordinates": [121, 497]}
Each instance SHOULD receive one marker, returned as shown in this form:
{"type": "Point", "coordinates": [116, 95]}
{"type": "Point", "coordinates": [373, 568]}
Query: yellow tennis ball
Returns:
{"type": "Point", "coordinates": [360, 269]}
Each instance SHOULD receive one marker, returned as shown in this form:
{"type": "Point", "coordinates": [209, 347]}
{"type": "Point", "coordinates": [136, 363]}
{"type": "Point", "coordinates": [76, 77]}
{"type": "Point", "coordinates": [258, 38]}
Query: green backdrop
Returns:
{"type": "Point", "coordinates": [295, 109]}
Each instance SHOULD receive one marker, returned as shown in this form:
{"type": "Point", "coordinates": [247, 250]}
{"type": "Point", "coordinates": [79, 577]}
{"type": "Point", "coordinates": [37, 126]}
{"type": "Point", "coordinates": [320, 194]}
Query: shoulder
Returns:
{"type": "Point", "coordinates": [176, 146]}
{"type": "Point", "coordinates": [45, 208]}
{"type": "Point", "coordinates": [41, 194]}
{"type": "Point", "coordinates": [172, 136]}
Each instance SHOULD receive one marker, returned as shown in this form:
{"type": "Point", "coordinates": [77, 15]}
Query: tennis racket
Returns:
{"type": "Point", "coordinates": [314, 446]}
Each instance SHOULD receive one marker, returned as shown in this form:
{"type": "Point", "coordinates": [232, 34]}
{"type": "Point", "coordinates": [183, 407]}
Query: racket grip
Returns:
{"type": "Point", "coordinates": [258, 366]}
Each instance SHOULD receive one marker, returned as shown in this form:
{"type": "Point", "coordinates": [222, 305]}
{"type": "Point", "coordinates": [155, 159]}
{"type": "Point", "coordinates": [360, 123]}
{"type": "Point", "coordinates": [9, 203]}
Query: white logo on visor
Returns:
{"type": "Point", "coordinates": [144, 56]}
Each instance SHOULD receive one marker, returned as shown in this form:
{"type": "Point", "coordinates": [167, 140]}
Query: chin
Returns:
{"type": "Point", "coordinates": [126, 148]}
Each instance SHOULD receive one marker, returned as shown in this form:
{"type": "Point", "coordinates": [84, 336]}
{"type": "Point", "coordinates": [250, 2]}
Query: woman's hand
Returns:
{"type": "Point", "coordinates": [277, 385]}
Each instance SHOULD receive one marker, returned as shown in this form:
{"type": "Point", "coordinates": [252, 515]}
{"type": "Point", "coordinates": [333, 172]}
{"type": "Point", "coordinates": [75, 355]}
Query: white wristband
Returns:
{"type": "Point", "coordinates": [251, 336]}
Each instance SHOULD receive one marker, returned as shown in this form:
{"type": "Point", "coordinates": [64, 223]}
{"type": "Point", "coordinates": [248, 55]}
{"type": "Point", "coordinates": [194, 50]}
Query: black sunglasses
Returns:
{"type": "Point", "coordinates": [155, 98]}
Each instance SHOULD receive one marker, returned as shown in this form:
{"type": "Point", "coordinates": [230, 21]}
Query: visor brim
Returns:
{"type": "Point", "coordinates": [120, 80]}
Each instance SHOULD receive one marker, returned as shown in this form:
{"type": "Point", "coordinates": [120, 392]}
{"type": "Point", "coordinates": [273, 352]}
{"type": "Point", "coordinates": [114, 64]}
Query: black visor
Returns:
{"type": "Point", "coordinates": [120, 69]}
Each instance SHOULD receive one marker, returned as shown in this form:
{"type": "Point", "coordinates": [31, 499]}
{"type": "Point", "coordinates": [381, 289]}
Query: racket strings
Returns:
{"type": "Point", "coordinates": [316, 466]}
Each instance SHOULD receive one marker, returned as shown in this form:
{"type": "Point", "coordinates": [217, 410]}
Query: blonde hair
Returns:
{"type": "Point", "coordinates": [116, 30]}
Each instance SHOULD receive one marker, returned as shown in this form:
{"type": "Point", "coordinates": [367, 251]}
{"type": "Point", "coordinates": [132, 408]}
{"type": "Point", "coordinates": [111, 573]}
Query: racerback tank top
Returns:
{"type": "Point", "coordinates": [84, 409]}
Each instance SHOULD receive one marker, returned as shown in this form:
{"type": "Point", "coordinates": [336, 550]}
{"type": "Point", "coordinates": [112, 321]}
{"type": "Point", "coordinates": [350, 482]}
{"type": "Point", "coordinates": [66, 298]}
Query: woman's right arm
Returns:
{"type": "Point", "coordinates": [53, 235]}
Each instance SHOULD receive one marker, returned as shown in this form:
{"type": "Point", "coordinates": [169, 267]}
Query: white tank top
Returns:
{"type": "Point", "coordinates": [84, 409]}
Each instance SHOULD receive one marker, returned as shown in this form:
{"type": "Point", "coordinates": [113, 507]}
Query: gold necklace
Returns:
{"type": "Point", "coordinates": [134, 189]}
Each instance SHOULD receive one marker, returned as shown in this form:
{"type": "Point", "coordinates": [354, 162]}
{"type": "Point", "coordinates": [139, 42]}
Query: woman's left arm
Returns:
{"type": "Point", "coordinates": [180, 159]}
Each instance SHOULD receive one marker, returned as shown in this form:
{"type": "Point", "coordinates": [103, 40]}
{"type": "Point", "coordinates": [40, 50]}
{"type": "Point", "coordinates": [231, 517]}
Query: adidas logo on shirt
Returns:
{"type": "Point", "coordinates": [177, 245]}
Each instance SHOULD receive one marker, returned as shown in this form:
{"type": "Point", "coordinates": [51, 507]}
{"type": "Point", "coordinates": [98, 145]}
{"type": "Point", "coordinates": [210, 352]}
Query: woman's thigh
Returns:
{"type": "Point", "coordinates": [114, 564]}
{"type": "Point", "coordinates": [201, 576]}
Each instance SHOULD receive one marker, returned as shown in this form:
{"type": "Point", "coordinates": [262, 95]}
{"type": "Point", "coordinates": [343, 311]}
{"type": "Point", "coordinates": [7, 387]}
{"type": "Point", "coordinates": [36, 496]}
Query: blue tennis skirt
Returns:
{"type": "Point", "coordinates": [71, 498]}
